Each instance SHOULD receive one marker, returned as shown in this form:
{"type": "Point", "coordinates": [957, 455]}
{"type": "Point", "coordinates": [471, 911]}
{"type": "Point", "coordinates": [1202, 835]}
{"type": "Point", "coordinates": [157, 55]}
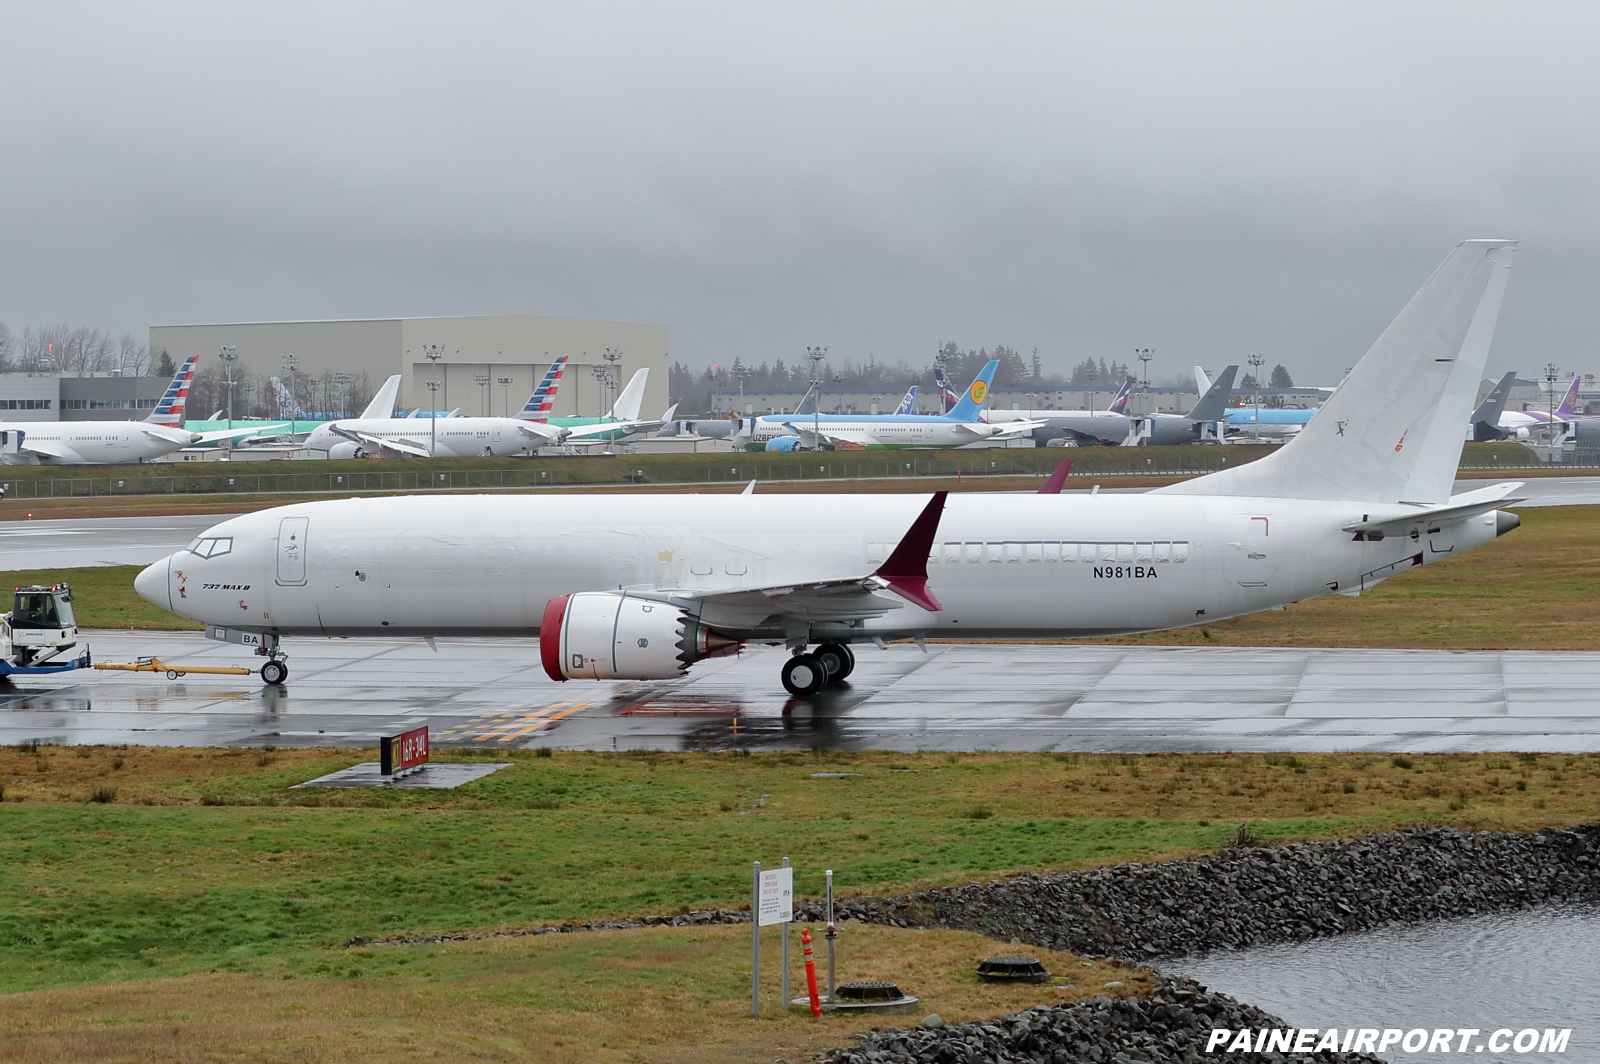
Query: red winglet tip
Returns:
{"type": "Point", "coordinates": [915, 591]}
{"type": "Point", "coordinates": [1058, 479]}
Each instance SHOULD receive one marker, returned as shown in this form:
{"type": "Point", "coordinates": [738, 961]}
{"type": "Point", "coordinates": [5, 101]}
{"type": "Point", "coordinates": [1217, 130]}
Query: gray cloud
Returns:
{"type": "Point", "coordinates": [1208, 180]}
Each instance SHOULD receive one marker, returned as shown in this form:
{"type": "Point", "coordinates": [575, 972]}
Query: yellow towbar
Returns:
{"type": "Point", "coordinates": [172, 671]}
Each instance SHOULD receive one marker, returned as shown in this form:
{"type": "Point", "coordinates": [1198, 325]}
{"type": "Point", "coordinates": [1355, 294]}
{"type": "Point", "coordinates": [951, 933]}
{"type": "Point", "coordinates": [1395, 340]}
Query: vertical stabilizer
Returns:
{"type": "Point", "coordinates": [382, 406]}
{"type": "Point", "coordinates": [972, 402]}
{"type": "Point", "coordinates": [1202, 383]}
{"type": "Point", "coordinates": [1568, 410]}
{"type": "Point", "coordinates": [947, 395]}
{"type": "Point", "coordinates": [908, 405]}
{"type": "Point", "coordinates": [543, 399]}
{"type": "Point", "coordinates": [1119, 405]}
{"type": "Point", "coordinates": [1213, 405]}
{"type": "Point", "coordinates": [1392, 431]}
{"type": "Point", "coordinates": [169, 411]}
{"type": "Point", "coordinates": [626, 408]}
{"type": "Point", "coordinates": [1486, 419]}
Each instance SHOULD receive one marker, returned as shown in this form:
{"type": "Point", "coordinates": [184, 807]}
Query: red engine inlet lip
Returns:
{"type": "Point", "coordinates": [550, 637]}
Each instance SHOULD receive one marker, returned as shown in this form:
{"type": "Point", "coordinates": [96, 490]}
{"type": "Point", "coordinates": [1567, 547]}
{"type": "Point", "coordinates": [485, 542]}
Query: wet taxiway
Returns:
{"type": "Point", "coordinates": [494, 694]}
{"type": "Point", "coordinates": [91, 542]}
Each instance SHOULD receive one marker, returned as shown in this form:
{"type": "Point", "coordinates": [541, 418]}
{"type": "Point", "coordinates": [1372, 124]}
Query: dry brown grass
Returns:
{"type": "Point", "coordinates": [657, 994]}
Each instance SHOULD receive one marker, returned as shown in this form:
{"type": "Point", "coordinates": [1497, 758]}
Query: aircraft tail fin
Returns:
{"type": "Point", "coordinates": [540, 403]}
{"type": "Point", "coordinates": [1119, 405]}
{"type": "Point", "coordinates": [626, 408]}
{"type": "Point", "coordinates": [1391, 432]}
{"type": "Point", "coordinates": [1486, 419]}
{"type": "Point", "coordinates": [169, 411]}
{"type": "Point", "coordinates": [909, 402]}
{"type": "Point", "coordinates": [947, 395]}
{"type": "Point", "coordinates": [1202, 383]}
{"type": "Point", "coordinates": [288, 405]}
{"type": "Point", "coordinates": [382, 406]}
{"type": "Point", "coordinates": [1569, 405]}
{"type": "Point", "coordinates": [972, 402]}
{"type": "Point", "coordinates": [1213, 405]}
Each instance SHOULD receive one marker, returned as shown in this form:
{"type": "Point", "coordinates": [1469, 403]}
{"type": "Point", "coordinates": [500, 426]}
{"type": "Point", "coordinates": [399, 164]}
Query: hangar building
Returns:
{"type": "Point", "coordinates": [513, 347]}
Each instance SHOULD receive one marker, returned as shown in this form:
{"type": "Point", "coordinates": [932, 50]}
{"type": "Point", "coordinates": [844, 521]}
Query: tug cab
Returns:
{"type": "Point", "coordinates": [39, 626]}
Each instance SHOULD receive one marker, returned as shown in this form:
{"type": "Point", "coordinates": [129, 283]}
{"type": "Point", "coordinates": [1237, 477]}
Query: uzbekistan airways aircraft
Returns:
{"type": "Point", "coordinates": [618, 587]}
{"type": "Point", "coordinates": [112, 442]}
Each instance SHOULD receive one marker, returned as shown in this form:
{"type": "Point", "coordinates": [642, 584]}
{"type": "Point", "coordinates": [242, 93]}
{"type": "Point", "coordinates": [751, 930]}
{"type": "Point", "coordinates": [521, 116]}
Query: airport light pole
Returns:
{"type": "Point", "coordinates": [601, 379]}
{"type": "Point", "coordinates": [290, 363]}
{"type": "Point", "coordinates": [433, 353]}
{"type": "Point", "coordinates": [816, 355]}
{"type": "Point", "coordinates": [1144, 355]}
{"type": "Point", "coordinates": [505, 395]}
{"type": "Point", "coordinates": [613, 357]}
{"type": "Point", "coordinates": [1256, 362]}
{"type": "Point", "coordinates": [343, 381]}
{"type": "Point", "coordinates": [228, 353]}
{"type": "Point", "coordinates": [483, 393]}
{"type": "Point", "coordinates": [433, 420]}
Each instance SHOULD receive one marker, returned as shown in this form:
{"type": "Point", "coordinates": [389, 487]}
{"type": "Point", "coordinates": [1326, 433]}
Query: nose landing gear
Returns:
{"type": "Point", "coordinates": [275, 671]}
{"type": "Point", "coordinates": [805, 674]}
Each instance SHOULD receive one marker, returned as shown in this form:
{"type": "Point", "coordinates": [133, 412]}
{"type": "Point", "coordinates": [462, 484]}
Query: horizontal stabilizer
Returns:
{"type": "Point", "coordinates": [1459, 508]}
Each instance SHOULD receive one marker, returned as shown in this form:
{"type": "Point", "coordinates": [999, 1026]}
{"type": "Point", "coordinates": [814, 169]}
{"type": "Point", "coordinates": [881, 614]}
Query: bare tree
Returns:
{"type": "Point", "coordinates": [133, 356]}
{"type": "Point", "coordinates": [8, 346]}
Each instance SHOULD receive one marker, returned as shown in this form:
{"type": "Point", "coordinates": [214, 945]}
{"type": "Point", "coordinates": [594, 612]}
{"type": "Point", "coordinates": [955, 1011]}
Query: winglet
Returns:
{"type": "Point", "coordinates": [1058, 479]}
{"type": "Point", "coordinates": [907, 567]}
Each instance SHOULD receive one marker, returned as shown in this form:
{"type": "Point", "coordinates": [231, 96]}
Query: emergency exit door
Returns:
{"type": "Point", "coordinates": [292, 550]}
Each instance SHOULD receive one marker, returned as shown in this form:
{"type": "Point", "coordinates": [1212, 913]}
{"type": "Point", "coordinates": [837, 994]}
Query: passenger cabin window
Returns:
{"type": "Point", "coordinates": [1051, 552]}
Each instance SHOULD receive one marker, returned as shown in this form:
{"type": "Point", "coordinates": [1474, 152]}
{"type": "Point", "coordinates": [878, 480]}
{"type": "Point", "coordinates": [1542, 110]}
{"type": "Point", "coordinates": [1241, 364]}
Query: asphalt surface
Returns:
{"type": "Point", "coordinates": [494, 695]}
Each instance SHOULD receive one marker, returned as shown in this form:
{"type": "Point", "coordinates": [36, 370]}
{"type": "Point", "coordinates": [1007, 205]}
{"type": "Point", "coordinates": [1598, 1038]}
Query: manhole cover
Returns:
{"type": "Point", "coordinates": [867, 992]}
{"type": "Point", "coordinates": [1013, 970]}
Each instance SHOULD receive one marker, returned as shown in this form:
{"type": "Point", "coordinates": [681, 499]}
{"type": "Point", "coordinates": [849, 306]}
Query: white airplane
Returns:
{"type": "Point", "coordinates": [620, 590]}
{"type": "Point", "coordinates": [112, 442]}
{"type": "Point", "coordinates": [443, 437]}
{"type": "Point", "coordinates": [619, 423]}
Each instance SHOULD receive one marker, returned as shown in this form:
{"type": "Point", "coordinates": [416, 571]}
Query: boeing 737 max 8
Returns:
{"type": "Point", "coordinates": [641, 587]}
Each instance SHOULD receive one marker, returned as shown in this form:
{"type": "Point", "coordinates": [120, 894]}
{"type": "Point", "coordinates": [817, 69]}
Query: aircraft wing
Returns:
{"type": "Point", "coordinates": [176, 437]}
{"type": "Point", "coordinates": [47, 450]}
{"type": "Point", "coordinates": [1468, 504]}
{"type": "Point", "coordinates": [257, 429]}
{"type": "Point", "coordinates": [1015, 430]}
{"type": "Point", "coordinates": [545, 435]}
{"type": "Point", "coordinates": [414, 448]}
{"type": "Point", "coordinates": [905, 573]}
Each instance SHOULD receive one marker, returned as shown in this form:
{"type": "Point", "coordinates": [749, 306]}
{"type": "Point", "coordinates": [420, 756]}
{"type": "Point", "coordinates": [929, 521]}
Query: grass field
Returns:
{"type": "Point", "coordinates": [1535, 589]}
{"type": "Point", "coordinates": [178, 904]}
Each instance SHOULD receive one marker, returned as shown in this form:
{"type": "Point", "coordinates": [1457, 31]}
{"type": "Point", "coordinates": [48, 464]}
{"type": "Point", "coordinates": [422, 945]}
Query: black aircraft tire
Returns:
{"type": "Point", "coordinates": [803, 675]}
{"type": "Point", "coordinates": [838, 659]}
{"type": "Point", "coordinates": [274, 672]}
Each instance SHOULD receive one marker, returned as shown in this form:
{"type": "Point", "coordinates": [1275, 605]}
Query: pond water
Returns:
{"type": "Point", "coordinates": [1534, 968]}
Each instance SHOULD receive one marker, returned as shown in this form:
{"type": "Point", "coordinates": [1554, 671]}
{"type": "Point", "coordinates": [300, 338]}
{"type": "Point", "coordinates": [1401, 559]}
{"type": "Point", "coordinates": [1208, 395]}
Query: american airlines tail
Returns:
{"type": "Point", "coordinates": [169, 412]}
{"type": "Point", "coordinates": [1392, 431]}
{"type": "Point", "coordinates": [540, 403]}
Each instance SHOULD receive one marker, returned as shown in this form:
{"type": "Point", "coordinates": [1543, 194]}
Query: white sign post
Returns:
{"type": "Point", "coordinates": [773, 904]}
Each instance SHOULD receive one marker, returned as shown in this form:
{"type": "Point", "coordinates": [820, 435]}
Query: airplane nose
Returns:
{"type": "Point", "coordinates": [153, 584]}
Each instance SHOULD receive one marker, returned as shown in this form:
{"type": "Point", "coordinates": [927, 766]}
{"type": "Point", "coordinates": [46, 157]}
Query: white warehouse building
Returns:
{"type": "Point", "coordinates": [514, 348]}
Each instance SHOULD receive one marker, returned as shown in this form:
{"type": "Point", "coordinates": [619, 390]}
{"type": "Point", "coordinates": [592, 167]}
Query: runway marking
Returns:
{"type": "Point", "coordinates": [516, 719]}
{"type": "Point", "coordinates": [536, 725]}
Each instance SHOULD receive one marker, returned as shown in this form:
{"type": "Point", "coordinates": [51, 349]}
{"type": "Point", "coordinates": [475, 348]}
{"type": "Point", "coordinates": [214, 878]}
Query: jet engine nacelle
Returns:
{"type": "Point", "coordinates": [784, 443]}
{"type": "Point", "coordinates": [611, 635]}
{"type": "Point", "coordinates": [341, 451]}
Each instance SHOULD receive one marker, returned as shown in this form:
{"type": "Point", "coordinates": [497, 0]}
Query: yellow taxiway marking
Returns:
{"type": "Point", "coordinates": [536, 725]}
{"type": "Point", "coordinates": [523, 718]}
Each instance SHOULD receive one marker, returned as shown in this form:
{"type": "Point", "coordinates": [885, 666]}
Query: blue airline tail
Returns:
{"type": "Point", "coordinates": [908, 402]}
{"type": "Point", "coordinates": [972, 402]}
{"type": "Point", "coordinates": [1119, 405]}
{"type": "Point", "coordinates": [542, 401]}
{"type": "Point", "coordinates": [947, 395]}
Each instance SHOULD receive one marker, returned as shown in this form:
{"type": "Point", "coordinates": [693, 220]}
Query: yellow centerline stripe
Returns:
{"type": "Point", "coordinates": [523, 719]}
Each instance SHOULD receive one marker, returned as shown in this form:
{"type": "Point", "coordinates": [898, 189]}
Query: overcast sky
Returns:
{"type": "Point", "coordinates": [1209, 180]}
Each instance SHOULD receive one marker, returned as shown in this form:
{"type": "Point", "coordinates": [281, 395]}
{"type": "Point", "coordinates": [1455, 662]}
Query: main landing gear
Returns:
{"type": "Point", "coordinates": [275, 671]}
{"type": "Point", "coordinates": [805, 674]}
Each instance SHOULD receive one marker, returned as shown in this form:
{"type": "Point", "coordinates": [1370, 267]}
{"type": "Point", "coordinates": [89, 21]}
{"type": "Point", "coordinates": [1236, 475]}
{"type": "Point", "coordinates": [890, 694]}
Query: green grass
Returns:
{"type": "Point", "coordinates": [103, 597]}
{"type": "Point", "coordinates": [259, 873]}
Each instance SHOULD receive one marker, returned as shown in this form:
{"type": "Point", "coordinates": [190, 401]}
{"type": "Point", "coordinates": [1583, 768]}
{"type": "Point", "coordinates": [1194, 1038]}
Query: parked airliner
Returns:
{"type": "Point", "coordinates": [636, 587]}
{"type": "Point", "coordinates": [112, 442]}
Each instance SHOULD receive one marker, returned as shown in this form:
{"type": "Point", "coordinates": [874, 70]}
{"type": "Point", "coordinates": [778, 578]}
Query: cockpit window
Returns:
{"type": "Point", "coordinates": [211, 547]}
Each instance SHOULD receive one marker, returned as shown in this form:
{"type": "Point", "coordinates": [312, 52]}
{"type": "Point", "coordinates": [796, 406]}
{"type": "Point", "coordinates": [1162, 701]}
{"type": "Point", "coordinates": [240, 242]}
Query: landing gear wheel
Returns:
{"type": "Point", "coordinates": [804, 675]}
{"type": "Point", "coordinates": [274, 672]}
{"type": "Point", "coordinates": [837, 659]}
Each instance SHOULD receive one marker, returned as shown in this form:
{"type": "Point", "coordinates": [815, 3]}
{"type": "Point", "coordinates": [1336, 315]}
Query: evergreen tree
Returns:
{"type": "Point", "coordinates": [1280, 377]}
{"type": "Point", "coordinates": [164, 366]}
